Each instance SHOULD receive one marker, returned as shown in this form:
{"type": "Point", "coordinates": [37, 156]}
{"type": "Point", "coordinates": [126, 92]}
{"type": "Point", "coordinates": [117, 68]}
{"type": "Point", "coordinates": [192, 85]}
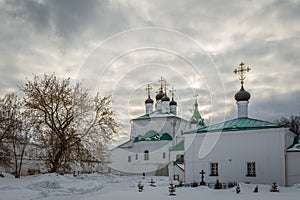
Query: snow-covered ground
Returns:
{"type": "Point", "coordinates": [114, 187]}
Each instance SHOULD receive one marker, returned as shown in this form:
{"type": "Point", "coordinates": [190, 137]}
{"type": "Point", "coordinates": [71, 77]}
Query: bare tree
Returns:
{"type": "Point", "coordinates": [7, 122]}
{"type": "Point", "coordinates": [74, 125]}
{"type": "Point", "coordinates": [293, 123]}
{"type": "Point", "coordinates": [18, 130]}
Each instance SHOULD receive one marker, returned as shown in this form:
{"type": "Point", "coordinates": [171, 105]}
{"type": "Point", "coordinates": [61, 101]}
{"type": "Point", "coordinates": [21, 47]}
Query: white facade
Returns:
{"type": "Point", "coordinates": [132, 159]}
{"type": "Point", "coordinates": [293, 165]}
{"type": "Point", "coordinates": [233, 150]}
{"type": "Point", "coordinates": [129, 158]}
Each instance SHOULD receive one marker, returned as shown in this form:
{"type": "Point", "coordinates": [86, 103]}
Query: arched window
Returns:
{"type": "Point", "coordinates": [164, 155]}
{"type": "Point", "coordinates": [146, 155]}
{"type": "Point", "coordinates": [129, 158]}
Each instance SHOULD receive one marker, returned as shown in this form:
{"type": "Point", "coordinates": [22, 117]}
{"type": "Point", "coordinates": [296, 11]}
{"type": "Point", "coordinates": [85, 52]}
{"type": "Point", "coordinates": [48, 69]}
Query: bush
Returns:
{"type": "Point", "coordinates": [232, 184]}
{"type": "Point", "coordinates": [194, 184]}
{"type": "Point", "coordinates": [218, 185]}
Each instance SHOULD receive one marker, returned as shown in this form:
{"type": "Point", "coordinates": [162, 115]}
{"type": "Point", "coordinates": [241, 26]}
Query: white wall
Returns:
{"type": "Point", "coordinates": [119, 157]}
{"type": "Point", "coordinates": [293, 168]}
{"type": "Point", "coordinates": [175, 170]}
{"type": "Point", "coordinates": [233, 150]}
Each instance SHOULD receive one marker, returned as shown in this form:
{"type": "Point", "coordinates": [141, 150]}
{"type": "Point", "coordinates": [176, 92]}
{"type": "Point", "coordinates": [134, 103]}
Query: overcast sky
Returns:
{"type": "Point", "coordinates": [118, 47]}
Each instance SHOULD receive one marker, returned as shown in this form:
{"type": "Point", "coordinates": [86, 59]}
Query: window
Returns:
{"type": "Point", "coordinates": [213, 169]}
{"type": "Point", "coordinates": [129, 158]}
{"type": "Point", "coordinates": [136, 156]}
{"type": "Point", "coordinates": [251, 169]}
{"type": "Point", "coordinates": [176, 177]}
{"type": "Point", "coordinates": [146, 155]}
{"type": "Point", "coordinates": [164, 155]}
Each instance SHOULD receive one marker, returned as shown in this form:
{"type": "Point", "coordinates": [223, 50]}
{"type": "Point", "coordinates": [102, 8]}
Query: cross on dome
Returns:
{"type": "Point", "coordinates": [148, 89]}
{"type": "Point", "coordinates": [241, 72]}
{"type": "Point", "coordinates": [161, 80]}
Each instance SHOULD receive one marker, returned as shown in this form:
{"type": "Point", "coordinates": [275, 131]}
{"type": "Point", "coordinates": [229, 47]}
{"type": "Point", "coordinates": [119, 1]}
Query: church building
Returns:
{"type": "Point", "coordinates": [242, 149]}
{"type": "Point", "coordinates": [152, 136]}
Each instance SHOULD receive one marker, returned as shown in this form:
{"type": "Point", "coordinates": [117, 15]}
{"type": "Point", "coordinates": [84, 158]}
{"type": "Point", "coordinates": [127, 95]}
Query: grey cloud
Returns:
{"type": "Point", "coordinates": [55, 36]}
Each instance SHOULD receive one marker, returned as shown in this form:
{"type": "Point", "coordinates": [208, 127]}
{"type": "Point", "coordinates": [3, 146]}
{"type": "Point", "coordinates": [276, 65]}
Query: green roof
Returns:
{"type": "Point", "coordinates": [178, 147]}
{"type": "Point", "coordinates": [146, 116]}
{"type": "Point", "coordinates": [152, 136]}
{"type": "Point", "coordinates": [156, 114]}
{"type": "Point", "coordinates": [138, 138]}
{"type": "Point", "coordinates": [237, 124]}
{"type": "Point", "coordinates": [166, 136]}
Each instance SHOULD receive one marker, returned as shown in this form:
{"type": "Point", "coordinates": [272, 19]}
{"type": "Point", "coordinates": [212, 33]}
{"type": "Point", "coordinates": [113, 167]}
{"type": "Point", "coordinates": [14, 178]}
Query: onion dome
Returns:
{"type": "Point", "coordinates": [242, 95]}
{"type": "Point", "coordinates": [165, 98]}
{"type": "Point", "coordinates": [173, 103]}
{"type": "Point", "coordinates": [149, 100]}
{"type": "Point", "coordinates": [160, 95]}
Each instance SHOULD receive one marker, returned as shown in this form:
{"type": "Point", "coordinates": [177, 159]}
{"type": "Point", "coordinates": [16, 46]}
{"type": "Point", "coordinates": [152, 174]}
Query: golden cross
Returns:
{"type": "Point", "coordinates": [166, 86]}
{"type": "Point", "coordinates": [161, 83]}
{"type": "Point", "coordinates": [172, 91]}
{"type": "Point", "coordinates": [241, 71]}
{"type": "Point", "coordinates": [148, 88]}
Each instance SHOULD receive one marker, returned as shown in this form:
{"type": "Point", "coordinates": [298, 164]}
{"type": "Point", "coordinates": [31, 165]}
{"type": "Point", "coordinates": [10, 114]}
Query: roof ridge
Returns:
{"type": "Point", "coordinates": [238, 124]}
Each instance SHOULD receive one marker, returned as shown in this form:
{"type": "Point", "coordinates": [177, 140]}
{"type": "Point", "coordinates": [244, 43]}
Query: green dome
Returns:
{"type": "Point", "coordinates": [166, 136]}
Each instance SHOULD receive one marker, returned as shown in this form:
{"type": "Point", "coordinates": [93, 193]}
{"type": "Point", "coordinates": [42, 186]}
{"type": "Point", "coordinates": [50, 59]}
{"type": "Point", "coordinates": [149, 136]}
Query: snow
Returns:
{"type": "Point", "coordinates": [115, 187]}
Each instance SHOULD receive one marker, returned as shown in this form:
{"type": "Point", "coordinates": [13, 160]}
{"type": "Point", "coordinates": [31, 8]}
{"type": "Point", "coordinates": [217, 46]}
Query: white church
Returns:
{"type": "Point", "coordinates": [243, 149]}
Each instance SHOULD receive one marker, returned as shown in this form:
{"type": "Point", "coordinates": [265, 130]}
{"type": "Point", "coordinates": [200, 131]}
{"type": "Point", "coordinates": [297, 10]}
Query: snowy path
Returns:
{"type": "Point", "coordinates": [112, 187]}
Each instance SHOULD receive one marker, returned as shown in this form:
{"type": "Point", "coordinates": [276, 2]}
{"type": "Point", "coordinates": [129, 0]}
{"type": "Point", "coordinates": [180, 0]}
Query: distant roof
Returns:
{"type": "Point", "coordinates": [157, 114]}
{"type": "Point", "coordinates": [296, 144]}
{"type": "Point", "coordinates": [178, 147]}
{"type": "Point", "coordinates": [237, 124]}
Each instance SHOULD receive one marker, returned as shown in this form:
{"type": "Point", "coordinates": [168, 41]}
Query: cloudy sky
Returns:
{"type": "Point", "coordinates": [118, 47]}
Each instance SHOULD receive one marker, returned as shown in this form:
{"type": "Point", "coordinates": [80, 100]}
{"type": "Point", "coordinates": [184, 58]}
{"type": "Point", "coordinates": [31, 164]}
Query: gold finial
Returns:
{"type": "Point", "coordinates": [148, 88]}
{"type": "Point", "coordinates": [241, 71]}
{"type": "Point", "coordinates": [166, 86]}
{"type": "Point", "coordinates": [172, 91]}
{"type": "Point", "coordinates": [161, 83]}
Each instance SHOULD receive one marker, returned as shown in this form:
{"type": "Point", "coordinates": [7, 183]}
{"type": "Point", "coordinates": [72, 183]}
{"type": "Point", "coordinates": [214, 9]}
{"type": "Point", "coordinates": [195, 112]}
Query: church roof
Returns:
{"type": "Point", "coordinates": [157, 114]}
{"type": "Point", "coordinates": [152, 136]}
{"type": "Point", "coordinates": [178, 147]}
{"type": "Point", "coordinates": [238, 124]}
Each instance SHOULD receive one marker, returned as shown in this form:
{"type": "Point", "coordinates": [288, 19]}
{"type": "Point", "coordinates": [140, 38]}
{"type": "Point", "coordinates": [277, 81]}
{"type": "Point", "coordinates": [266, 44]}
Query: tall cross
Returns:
{"type": "Point", "coordinates": [148, 88]}
{"type": "Point", "coordinates": [161, 80]}
{"type": "Point", "coordinates": [241, 71]}
{"type": "Point", "coordinates": [166, 86]}
{"type": "Point", "coordinates": [202, 177]}
{"type": "Point", "coordinates": [172, 91]}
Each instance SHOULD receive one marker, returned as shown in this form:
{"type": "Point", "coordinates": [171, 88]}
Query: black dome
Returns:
{"type": "Point", "coordinates": [160, 95]}
{"type": "Point", "coordinates": [149, 100]}
{"type": "Point", "coordinates": [165, 98]}
{"type": "Point", "coordinates": [173, 103]}
{"type": "Point", "coordinates": [242, 95]}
